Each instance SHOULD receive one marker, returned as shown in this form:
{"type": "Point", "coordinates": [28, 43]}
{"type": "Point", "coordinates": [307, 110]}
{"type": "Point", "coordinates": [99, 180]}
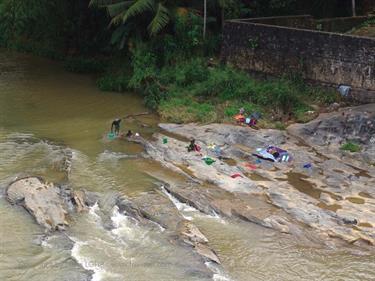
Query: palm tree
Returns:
{"type": "Point", "coordinates": [204, 18]}
{"type": "Point", "coordinates": [122, 11]}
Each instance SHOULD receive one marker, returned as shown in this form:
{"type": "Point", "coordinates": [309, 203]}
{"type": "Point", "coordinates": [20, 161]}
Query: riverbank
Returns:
{"type": "Point", "coordinates": [251, 237]}
{"type": "Point", "coordinates": [199, 88]}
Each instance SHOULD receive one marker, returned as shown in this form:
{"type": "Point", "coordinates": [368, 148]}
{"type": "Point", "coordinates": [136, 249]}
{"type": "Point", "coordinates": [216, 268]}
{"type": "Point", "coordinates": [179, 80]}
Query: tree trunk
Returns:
{"type": "Point", "coordinates": [204, 19]}
{"type": "Point", "coordinates": [353, 8]}
{"type": "Point", "coordinates": [222, 18]}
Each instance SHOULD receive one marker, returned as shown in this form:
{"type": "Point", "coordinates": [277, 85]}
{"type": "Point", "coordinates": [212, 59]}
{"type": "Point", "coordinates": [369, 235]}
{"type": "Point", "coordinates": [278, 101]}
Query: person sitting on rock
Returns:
{"type": "Point", "coordinates": [129, 134]}
{"type": "Point", "coordinates": [253, 122]}
{"type": "Point", "coordinates": [116, 126]}
{"type": "Point", "coordinates": [193, 146]}
{"type": "Point", "coordinates": [274, 152]}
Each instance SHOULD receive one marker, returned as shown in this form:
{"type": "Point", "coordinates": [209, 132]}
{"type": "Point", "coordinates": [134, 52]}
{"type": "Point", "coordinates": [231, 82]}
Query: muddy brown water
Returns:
{"type": "Point", "coordinates": [44, 109]}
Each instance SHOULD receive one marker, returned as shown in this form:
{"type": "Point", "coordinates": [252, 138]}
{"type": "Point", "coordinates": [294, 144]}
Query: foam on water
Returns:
{"type": "Point", "coordinates": [218, 274]}
{"type": "Point", "coordinates": [110, 156]}
{"type": "Point", "coordinates": [93, 211]}
{"type": "Point", "coordinates": [187, 209]}
{"type": "Point", "coordinates": [182, 207]}
{"type": "Point", "coordinates": [98, 272]}
{"type": "Point", "coordinates": [125, 228]}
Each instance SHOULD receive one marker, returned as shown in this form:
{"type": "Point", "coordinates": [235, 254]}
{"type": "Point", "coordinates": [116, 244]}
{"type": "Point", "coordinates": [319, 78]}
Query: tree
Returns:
{"type": "Point", "coordinates": [353, 8]}
{"type": "Point", "coordinates": [204, 18]}
{"type": "Point", "coordinates": [121, 12]}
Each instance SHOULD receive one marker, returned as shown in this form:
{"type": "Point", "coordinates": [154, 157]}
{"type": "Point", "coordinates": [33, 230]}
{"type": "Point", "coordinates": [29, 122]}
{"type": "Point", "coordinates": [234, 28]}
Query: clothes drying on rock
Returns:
{"type": "Point", "coordinates": [273, 153]}
{"type": "Point", "coordinates": [209, 161]}
{"type": "Point", "coordinates": [240, 118]}
{"type": "Point", "coordinates": [344, 90]}
{"type": "Point", "coordinates": [250, 166]}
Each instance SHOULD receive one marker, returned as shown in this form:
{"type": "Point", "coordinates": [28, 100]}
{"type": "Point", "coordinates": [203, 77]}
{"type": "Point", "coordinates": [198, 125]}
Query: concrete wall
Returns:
{"type": "Point", "coordinates": [301, 21]}
{"type": "Point", "coordinates": [340, 25]}
{"type": "Point", "coordinates": [327, 58]}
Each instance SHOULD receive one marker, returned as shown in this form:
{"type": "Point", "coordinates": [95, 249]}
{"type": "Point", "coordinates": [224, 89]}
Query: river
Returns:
{"type": "Point", "coordinates": [44, 108]}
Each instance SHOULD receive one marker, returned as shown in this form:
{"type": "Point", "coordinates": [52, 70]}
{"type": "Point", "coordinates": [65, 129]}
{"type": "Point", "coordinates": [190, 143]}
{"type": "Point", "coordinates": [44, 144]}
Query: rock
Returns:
{"type": "Point", "coordinates": [327, 199]}
{"type": "Point", "coordinates": [334, 106]}
{"type": "Point", "coordinates": [213, 201]}
{"type": "Point", "coordinates": [205, 251]}
{"type": "Point", "coordinates": [278, 223]}
{"type": "Point", "coordinates": [47, 203]}
{"type": "Point", "coordinates": [191, 232]}
{"type": "Point", "coordinates": [334, 129]}
{"type": "Point", "coordinates": [316, 197]}
{"type": "Point", "coordinates": [349, 221]}
{"type": "Point", "coordinates": [192, 235]}
{"type": "Point", "coordinates": [91, 198]}
{"type": "Point", "coordinates": [156, 207]}
{"type": "Point", "coordinates": [79, 199]}
{"type": "Point", "coordinates": [41, 200]}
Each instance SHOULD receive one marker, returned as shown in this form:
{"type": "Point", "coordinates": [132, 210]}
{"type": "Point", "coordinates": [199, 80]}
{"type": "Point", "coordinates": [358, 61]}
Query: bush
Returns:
{"type": "Point", "coordinates": [280, 126]}
{"type": "Point", "coordinates": [350, 146]}
{"type": "Point", "coordinates": [233, 108]}
{"type": "Point", "coordinates": [323, 96]}
{"type": "Point", "coordinates": [185, 73]}
{"type": "Point", "coordinates": [153, 96]}
{"type": "Point", "coordinates": [144, 67]}
{"type": "Point", "coordinates": [113, 82]}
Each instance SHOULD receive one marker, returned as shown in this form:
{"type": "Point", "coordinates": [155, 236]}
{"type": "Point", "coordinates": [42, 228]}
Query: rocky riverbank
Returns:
{"type": "Point", "coordinates": [324, 196]}
{"type": "Point", "coordinates": [323, 187]}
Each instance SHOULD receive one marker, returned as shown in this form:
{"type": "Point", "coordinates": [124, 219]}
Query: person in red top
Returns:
{"type": "Point", "coordinates": [193, 146]}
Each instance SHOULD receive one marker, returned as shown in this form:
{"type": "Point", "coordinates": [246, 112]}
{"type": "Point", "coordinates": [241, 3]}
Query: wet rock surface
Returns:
{"type": "Point", "coordinates": [157, 208]}
{"type": "Point", "coordinates": [47, 203]}
{"type": "Point", "coordinates": [332, 193]}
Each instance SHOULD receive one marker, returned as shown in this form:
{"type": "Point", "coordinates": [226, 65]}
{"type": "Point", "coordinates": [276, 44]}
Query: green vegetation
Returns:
{"type": "Point", "coordinates": [351, 146]}
{"type": "Point", "coordinates": [190, 90]}
{"type": "Point", "coordinates": [365, 29]}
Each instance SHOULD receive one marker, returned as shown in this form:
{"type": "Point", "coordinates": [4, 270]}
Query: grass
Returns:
{"type": "Point", "coordinates": [180, 110]}
{"type": "Point", "coordinates": [190, 91]}
{"type": "Point", "coordinates": [351, 146]}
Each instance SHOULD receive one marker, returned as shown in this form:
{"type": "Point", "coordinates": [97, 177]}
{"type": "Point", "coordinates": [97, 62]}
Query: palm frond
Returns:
{"type": "Point", "coordinates": [137, 8]}
{"type": "Point", "coordinates": [118, 8]}
{"type": "Point", "coordinates": [160, 20]}
{"type": "Point", "coordinates": [102, 3]}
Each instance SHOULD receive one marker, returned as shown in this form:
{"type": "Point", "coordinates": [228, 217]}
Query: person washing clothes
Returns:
{"type": "Point", "coordinates": [116, 126]}
{"type": "Point", "coordinates": [193, 146]}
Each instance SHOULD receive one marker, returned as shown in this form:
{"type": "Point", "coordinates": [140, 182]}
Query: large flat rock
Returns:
{"type": "Point", "coordinates": [47, 203]}
{"type": "Point", "coordinates": [41, 200]}
{"type": "Point", "coordinates": [334, 196]}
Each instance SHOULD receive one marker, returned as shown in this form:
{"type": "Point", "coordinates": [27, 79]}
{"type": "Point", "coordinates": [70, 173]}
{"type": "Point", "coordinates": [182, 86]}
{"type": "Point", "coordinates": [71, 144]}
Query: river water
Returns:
{"type": "Point", "coordinates": [44, 109]}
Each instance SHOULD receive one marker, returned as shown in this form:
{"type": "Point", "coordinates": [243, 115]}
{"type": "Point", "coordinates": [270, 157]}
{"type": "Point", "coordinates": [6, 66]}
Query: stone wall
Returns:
{"type": "Point", "coordinates": [327, 58]}
{"type": "Point", "coordinates": [301, 21]}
